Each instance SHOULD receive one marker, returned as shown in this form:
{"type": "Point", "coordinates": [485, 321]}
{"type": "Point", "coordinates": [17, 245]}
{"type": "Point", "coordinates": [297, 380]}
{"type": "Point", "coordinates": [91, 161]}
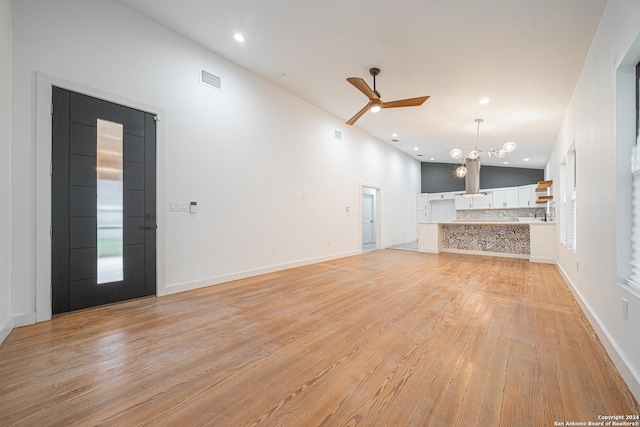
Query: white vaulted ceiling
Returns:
{"type": "Point", "coordinates": [523, 55]}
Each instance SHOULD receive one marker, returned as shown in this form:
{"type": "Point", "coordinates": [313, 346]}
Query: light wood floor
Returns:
{"type": "Point", "coordinates": [387, 338]}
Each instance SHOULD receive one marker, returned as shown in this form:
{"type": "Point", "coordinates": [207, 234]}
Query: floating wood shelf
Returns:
{"type": "Point", "coordinates": [544, 199]}
{"type": "Point", "coordinates": [543, 185]}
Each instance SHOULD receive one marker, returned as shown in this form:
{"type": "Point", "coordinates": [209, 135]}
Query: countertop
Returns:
{"type": "Point", "coordinates": [536, 223]}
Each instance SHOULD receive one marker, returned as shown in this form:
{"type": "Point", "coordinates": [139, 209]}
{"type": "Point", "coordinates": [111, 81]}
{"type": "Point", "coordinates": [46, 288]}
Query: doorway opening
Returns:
{"type": "Point", "coordinates": [369, 213]}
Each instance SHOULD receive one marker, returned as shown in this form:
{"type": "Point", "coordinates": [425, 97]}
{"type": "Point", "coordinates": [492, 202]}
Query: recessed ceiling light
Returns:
{"type": "Point", "coordinates": [432, 158]}
{"type": "Point", "coordinates": [416, 148]}
{"type": "Point", "coordinates": [485, 101]}
{"type": "Point", "coordinates": [525, 160]}
{"type": "Point", "coordinates": [394, 135]}
{"type": "Point", "coordinates": [505, 163]}
{"type": "Point", "coordinates": [239, 37]}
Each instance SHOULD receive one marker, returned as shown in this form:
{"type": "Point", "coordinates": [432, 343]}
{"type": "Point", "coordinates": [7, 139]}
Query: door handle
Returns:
{"type": "Point", "coordinates": [149, 227]}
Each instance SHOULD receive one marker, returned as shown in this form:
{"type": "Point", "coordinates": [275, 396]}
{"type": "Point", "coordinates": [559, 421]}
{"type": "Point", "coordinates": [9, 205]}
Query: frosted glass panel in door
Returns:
{"type": "Point", "coordinates": [109, 201]}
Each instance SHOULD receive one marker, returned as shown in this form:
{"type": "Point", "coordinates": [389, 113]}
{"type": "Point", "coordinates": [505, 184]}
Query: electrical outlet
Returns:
{"type": "Point", "coordinates": [625, 309]}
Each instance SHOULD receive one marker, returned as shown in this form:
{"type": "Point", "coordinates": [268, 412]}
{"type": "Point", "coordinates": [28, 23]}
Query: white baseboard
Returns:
{"type": "Point", "coordinates": [6, 329]}
{"type": "Point", "coordinates": [483, 253]}
{"type": "Point", "coordinates": [542, 260]}
{"type": "Point", "coordinates": [630, 376]}
{"type": "Point", "coordinates": [399, 243]}
{"type": "Point", "coordinates": [24, 320]}
{"type": "Point", "coordinates": [189, 286]}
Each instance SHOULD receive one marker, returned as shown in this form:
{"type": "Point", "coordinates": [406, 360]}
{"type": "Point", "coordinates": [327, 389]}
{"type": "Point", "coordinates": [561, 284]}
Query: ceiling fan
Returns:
{"type": "Point", "coordinates": [375, 103]}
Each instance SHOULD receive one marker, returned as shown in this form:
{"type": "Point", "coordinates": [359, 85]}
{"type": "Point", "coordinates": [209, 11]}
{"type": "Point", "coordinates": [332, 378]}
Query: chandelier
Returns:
{"type": "Point", "coordinates": [499, 153]}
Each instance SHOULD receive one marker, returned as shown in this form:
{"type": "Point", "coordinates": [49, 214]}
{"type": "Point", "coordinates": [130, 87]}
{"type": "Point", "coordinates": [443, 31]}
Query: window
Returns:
{"type": "Point", "coordinates": [562, 218]}
{"type": "Point", "coordinates": [634, 276]}
{"type": "Point", "coordinates": [568, 225]}
{"type": "Point", "coordinates": [573, 233]}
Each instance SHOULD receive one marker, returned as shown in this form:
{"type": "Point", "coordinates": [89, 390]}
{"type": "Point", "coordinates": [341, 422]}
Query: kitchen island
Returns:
{"type": "Point", "coordinates": [534, 240]}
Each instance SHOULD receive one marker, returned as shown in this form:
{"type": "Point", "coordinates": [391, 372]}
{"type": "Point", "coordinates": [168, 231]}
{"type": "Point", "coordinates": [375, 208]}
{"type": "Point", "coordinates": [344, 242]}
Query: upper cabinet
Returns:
{"type": "Point", "coordinates": [483, 202]}
{"type": "Point", "coordinates": [527, 196]}
{"type": "Point", "coordinates": [441, 196]}
{"type": "Point", "coordinates": [505, 198]}
{"type": "Point", "coordinates": [422, 202]}
{"type": "Point", "coordinates": [463, 202]}
{"type": "Point", "coordinates": [497, 198]}
{"type": "Point", "coordinates": [477, 202]}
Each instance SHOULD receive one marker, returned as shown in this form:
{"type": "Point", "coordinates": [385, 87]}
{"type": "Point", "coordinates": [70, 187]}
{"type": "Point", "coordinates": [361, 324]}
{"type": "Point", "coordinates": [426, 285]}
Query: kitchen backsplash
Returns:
{"type": "Point", "coordinates": [495, 214]}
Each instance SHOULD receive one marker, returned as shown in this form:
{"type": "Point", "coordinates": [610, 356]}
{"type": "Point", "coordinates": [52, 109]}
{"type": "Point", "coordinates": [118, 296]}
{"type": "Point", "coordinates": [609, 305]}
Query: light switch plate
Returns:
{"type": "Point", "coordinates": [179, 206]}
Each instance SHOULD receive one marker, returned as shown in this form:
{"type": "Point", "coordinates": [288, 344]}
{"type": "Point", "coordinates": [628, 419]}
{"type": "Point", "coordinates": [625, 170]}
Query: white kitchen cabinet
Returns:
{"type": "Point", "coordinates": [527, 196]}
{"type": "Point", "coordinates": [435, 207]}
{"type": "Point", "coordinates": [476, 202]}
{"type": "Point", "coordinates": [482, 202]}
{"type": "Point", "coordinates": [505, 198]}
{"type": "Point", "coordinates": [423, 216]}
{"type": "Point", "coordinates": [542, 242]}
{"type": "Point", "coordinates": [511, 198]}
{"type": "Point", "coordinates": [430, 238]}
{"type": "Point", "coordinates": [499, 198]}
{"type": "Point", "coordinates": [422, 202]}
{"type": "Point", "coordinates": [463, 203]}
{"type": "Point", "coordinates": [441, 196]}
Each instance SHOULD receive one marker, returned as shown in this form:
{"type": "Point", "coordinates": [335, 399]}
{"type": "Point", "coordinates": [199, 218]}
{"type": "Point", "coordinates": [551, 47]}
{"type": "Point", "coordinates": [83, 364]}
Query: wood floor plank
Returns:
{"type": "Point", "coordinates": [387, 338]}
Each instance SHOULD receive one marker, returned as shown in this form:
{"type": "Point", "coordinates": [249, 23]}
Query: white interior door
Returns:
{"type": "Point", "coordinates": [367, 219]}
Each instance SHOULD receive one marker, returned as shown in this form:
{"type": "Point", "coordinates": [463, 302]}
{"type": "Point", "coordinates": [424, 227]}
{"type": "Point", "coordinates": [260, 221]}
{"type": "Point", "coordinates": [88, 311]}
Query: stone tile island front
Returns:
{"type": "Point", "coordinates": [528, 240]}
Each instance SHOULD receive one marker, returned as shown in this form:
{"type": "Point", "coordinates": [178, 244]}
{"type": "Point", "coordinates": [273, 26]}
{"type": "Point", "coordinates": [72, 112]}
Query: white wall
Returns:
{"type": "Point", "coordinates": [5, 169]}
{"type": "Point", "coordinates": [596, 109]}
{"type": "Point", "coordinates": [262, 164]}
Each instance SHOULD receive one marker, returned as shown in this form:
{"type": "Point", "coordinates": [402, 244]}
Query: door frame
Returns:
{"type": "Point", "coordinates": [376, 214]}
{"type": "Point", "coordinates": [43, 125]}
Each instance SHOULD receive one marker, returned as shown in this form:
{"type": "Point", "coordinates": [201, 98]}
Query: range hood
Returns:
{"type": "Point", "coordinates": [472, 179]}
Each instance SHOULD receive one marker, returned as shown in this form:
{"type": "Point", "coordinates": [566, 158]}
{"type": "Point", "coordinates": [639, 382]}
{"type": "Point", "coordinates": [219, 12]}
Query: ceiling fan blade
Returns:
{"type": "Point", "coordinates": [360, 113]}
{"type": "Point", "coordinates": [363, 87]}
{"type": "Point", "coordinates": [411, 102]}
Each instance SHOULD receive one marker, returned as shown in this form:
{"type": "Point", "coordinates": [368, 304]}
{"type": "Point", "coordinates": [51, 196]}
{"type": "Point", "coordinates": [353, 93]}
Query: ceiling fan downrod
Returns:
{"type": "Point", "coordinates": [374, 72]}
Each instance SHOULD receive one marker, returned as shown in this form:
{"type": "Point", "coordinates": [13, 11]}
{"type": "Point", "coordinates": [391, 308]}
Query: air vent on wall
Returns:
{"type": "Point", "coordinates": [337, 134]}
{"type": "Point", "coordinates": [210, 79]}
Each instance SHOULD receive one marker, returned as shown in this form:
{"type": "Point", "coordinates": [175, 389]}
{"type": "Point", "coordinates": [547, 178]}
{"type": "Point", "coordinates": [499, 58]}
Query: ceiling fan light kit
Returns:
{"type": "Point", "coordinates": [375, 104]}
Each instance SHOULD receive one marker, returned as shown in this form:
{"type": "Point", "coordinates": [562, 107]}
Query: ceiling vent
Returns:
{"type": "Point", "coordinates": [337, 134]}
{"type": "Point", "coordinates": [210, 79]}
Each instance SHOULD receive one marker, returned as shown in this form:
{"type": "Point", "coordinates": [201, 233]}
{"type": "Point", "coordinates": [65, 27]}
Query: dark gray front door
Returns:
{"type": "Point", "coordinates": [103, 245]}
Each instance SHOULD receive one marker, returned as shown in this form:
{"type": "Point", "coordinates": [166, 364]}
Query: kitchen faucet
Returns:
{"type": "Point", "coordinates": [544, 212]}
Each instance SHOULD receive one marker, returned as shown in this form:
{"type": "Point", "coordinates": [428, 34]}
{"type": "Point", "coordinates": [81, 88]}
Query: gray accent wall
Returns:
{"type": "Point", "coordinates": [441, 177]}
